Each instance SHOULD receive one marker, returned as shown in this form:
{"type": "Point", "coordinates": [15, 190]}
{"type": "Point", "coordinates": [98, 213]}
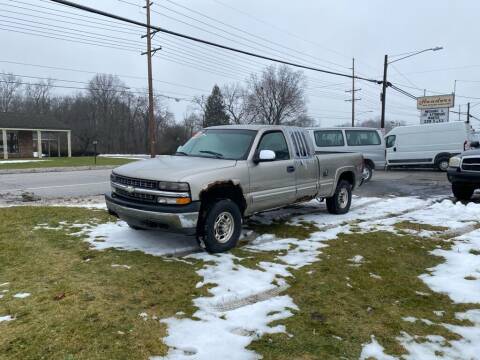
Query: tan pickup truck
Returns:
{"type": "Point", "coordinates": [226, 173]}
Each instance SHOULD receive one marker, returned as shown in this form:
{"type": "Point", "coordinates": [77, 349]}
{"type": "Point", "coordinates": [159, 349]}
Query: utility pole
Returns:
{"type": "Point", "coordinates": [353, 93]}
{"type": "Point", "coordinates": [468, 113]}
{"type": "Point", "coordinates": [151, 115]}
{"type": "Point", "coordinates": [384, 92]}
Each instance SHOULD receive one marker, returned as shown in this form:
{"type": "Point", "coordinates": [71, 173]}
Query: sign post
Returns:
{"type": "Point", "coordinates": [435, 109]}
{"type": "Point", "coordinates": [434, 116]}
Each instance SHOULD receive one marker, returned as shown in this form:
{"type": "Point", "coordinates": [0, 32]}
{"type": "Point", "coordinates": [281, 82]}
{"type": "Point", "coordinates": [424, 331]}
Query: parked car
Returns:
{"type": "Point", "coordinates": [223, 174]}
{"type": "Point", "coordinates": [366, 141]}
{"type": "Point", "coordinates": [464, 172]}
{"type": "Point", "coordinates": [429, 145]}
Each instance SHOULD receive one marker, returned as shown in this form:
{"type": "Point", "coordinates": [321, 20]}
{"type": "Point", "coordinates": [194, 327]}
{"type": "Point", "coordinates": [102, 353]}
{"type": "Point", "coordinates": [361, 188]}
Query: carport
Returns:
{"type": "Point", "coordinates": [22, 134]}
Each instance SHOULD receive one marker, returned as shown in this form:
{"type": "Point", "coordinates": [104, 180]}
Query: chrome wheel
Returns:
{"type": "Point", "coordinates": [443, 165]}
{"type": "Point", "coordinates": [224, 227]}
{"type": "Point", "coordinates": [343, 198]}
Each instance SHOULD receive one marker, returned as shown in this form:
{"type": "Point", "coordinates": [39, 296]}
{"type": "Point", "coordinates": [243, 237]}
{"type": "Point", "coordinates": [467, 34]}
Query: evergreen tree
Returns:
{"type": "Point", "coordinates": [215, 113]}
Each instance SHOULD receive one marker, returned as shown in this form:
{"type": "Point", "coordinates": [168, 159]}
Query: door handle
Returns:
{"type": "Point", "coordinates": [290, 169]}
{"type": "Point", "coordinates": [395, 149]}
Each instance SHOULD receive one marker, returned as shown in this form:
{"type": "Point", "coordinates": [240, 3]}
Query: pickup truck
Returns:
{"type": "Point", "coordinates": [464, 172]}
{"type": "Point", "coordinates": [224, 174]}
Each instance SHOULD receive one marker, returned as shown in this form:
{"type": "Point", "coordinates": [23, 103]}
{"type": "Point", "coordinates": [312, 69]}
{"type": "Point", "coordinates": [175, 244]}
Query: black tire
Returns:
{"type": "Point", "coordinates": [462, 191]}
{"type": "Point", "coordinates": [212, 239]}
{"type": "Point", "coordinates": [337, 204]}
{"type": "Point", "coordinates": [442, 164]}
{"type": "Point", "coordinates": [367, 172]}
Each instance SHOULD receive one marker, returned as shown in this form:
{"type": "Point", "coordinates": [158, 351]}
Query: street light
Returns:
{"type": "Point", "coordinates": [385, 84]}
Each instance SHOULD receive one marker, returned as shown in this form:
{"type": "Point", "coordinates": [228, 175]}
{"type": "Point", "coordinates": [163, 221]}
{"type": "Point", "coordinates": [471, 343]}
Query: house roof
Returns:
{"type": "Point", "coordinates": [29, 121]}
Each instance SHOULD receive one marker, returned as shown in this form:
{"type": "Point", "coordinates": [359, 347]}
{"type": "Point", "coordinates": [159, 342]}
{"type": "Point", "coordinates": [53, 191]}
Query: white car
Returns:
{"type": "Point", "coordinates": [367, 141]}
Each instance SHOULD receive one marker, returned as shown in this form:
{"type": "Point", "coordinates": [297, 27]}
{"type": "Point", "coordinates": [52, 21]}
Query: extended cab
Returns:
{"type": "Point", "coordinates": [224, 174]}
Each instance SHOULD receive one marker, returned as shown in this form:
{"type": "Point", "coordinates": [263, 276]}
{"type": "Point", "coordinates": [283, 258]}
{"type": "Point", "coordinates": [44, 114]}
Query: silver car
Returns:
{"type": "Point", "coordinates": [367, 141]}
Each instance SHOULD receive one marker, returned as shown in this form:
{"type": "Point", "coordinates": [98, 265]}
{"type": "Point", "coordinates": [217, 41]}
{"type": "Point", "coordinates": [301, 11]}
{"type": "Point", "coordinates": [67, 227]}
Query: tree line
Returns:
{"type": "Point", "coordinates": [109, 112]}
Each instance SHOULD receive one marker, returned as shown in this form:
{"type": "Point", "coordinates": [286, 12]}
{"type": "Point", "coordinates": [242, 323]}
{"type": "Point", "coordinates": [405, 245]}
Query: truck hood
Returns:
{"type": "Point", "coordinates": [171, 168]}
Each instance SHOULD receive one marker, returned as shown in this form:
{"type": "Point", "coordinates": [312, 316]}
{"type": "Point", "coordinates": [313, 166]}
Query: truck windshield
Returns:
{"type": "Point", "coordinates": [231, 144]}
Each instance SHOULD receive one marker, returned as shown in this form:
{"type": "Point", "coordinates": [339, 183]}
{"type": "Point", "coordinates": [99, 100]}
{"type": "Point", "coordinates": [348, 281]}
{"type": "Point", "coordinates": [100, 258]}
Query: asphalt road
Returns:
{"type": "Point", "coordinates": [51, 185]}
{"type": "Point", "coordinates": [422, 183]}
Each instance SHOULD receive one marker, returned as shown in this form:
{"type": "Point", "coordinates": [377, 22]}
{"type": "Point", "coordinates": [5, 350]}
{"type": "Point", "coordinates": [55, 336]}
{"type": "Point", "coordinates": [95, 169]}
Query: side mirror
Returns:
{"type": "Point", "coordinates": [264, 156]}
{"type": "Point", "coordinates": [474, 144]}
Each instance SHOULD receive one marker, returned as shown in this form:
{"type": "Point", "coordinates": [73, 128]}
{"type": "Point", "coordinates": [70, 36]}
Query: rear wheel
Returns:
{"type": "Point", "coordinates": [223, 224]}
{"type": "Point", "coordinates": [340, 202]}
{"type": "Point", "coordinates": [367, 172]}
{"type": "Point", "coordinates": [462, 191]}
{"type": "Point", "coordinates": [442, 163]}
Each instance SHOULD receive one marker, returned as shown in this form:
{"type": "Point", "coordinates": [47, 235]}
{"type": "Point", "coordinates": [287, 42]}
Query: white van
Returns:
{"type": "Point", "coordinates": [427, 145]}
{"type": "Point", "coordinates": [367, 141]}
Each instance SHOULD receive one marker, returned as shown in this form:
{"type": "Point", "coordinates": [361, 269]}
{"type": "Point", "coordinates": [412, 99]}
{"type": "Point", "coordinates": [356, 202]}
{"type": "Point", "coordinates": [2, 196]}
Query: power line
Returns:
{"type": "Point", "coordinates": [192, 38]}
{"type": "Point", "coordinates": [242, 31]}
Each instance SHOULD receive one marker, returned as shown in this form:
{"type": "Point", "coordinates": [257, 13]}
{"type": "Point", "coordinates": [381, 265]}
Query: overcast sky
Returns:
{"type": "Point", "coordinates": [324, 34]}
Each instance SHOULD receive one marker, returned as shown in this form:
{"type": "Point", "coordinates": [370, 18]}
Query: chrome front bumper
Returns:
{"type": "Point", "coordinates": [181, 219]}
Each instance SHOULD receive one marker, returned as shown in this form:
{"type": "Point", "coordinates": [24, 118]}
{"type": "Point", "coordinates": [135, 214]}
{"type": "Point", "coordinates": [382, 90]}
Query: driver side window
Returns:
{"type": "Point", "coordinates": [390, 142]}
{"type": "Point", "coordinates": [276, 142]}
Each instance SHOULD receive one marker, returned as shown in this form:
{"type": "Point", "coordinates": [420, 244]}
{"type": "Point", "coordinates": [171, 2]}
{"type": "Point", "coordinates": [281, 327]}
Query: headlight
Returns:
{"type": "Point", "coordinates": [454, 161]}
{"type": "Point", "coordinates": [173, 186]}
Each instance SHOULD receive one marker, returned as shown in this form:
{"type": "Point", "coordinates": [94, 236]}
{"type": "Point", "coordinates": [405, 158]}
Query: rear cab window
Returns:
{"type": "Point", "coordinates": [362, 137]}
{"type": "Point", "coordinates": [326, 138]}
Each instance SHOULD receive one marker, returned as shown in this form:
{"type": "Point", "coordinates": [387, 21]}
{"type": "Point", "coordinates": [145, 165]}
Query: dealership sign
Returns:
{"type": "Point", "coordinates": [434, 116]}
{"type": "Point", "coordinates": [436, 102]}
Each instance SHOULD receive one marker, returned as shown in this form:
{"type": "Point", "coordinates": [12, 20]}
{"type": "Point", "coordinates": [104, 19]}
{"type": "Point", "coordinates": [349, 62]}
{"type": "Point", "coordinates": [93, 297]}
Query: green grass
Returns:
{"type": "Point", "coordinates": [64, 162]}
{"type": "Point", "coordinates": [77, 307]}
{"type": "Point", "coordinates": [409, 225]}
{"type": "Point", "coordinates": [329, 308]}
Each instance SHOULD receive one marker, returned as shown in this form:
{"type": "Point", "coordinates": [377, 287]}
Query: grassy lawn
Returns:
{"type": "Point", "coordinates": [342, 305]}
{"type": "Point", "coordinates": [83, 308]}
{"type": "Point", "coordinates": [63, 162]}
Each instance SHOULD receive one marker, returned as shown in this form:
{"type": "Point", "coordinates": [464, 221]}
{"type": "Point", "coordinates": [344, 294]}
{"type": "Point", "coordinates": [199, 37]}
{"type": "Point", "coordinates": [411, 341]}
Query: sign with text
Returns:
{"type": "Point", "coordinates": [434, 116]}
{"type": "Point", "coordinates": [435, 102]}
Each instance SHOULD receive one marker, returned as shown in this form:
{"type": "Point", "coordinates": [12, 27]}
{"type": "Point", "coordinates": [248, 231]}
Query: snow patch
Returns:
{"type": "Point", "coordinates": [21, 295]}
{"type": "Point", "coordinates": [6, 318]}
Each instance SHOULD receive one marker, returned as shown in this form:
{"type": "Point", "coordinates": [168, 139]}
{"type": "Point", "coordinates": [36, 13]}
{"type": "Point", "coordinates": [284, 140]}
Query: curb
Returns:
{"type": "Point", "coordinates": [56, 169]}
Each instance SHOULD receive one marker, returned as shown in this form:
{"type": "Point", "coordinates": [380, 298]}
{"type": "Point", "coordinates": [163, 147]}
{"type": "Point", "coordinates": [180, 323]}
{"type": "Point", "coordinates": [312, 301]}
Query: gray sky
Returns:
{"type": "Point", "coordinates": [324, 34]}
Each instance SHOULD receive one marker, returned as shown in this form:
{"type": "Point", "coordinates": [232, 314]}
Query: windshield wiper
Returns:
{"type": "Point", "coordinates": [181, 153]}
{"type": "Point", "coordinates": [216, 154]}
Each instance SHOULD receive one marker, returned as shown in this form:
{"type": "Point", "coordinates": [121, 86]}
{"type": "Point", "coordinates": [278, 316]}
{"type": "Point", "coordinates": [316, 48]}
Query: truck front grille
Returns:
{"type": "Point", "coordinates": [471, 164]}
{"type": "Point", "coordinates": [145, 198]}
{"type": "Point", "coordinates": [138, 183]}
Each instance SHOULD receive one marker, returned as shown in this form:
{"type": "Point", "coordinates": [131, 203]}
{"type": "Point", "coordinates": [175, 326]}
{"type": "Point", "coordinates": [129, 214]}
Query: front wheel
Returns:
{"type": "Point", "coordinates": [223, 224]}
{"type": "Point", "coordinates": [442, 164]}
{"type": "Point", "coordinates": [462, 191]}
{"type": "Point", "coordinates": [340, 202]}
{"type": "Point", "coordinates": [367, 172]}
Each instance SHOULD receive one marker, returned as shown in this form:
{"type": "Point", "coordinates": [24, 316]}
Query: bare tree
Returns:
{"type": "Point", "coordinates": [277, 95]}
{"type": "Point", "coordinates": [38, 96]}
{"type": "Point", "coordinates": [9, 87]}
{"type": "Point", "coordinates": [236, 104]}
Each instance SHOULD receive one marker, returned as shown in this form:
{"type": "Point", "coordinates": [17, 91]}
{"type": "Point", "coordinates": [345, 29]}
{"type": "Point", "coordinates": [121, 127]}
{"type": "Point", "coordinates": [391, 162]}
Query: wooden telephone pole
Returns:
{"type": "Point", "coordinates": [353, 93]}
{"type": "Point", "coordinates": [151, 115]}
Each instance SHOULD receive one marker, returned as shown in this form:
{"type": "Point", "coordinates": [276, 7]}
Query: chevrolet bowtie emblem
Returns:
{"type": "Point", "coordinates": [130, 189]}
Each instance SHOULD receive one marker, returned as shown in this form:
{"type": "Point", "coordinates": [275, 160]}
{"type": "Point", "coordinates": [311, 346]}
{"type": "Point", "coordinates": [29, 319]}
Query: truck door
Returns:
{"type": "Point", "coordinates": [272, 183]}
{"type": "Point", "coordinates": [306, 166]}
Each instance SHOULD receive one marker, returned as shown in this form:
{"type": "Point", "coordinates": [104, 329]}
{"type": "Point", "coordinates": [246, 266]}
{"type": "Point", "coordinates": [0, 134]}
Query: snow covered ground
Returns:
{"type": "Point", "coordinates": [243, 301]}
{"type": "Point", "coordinates": [19, 161]}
